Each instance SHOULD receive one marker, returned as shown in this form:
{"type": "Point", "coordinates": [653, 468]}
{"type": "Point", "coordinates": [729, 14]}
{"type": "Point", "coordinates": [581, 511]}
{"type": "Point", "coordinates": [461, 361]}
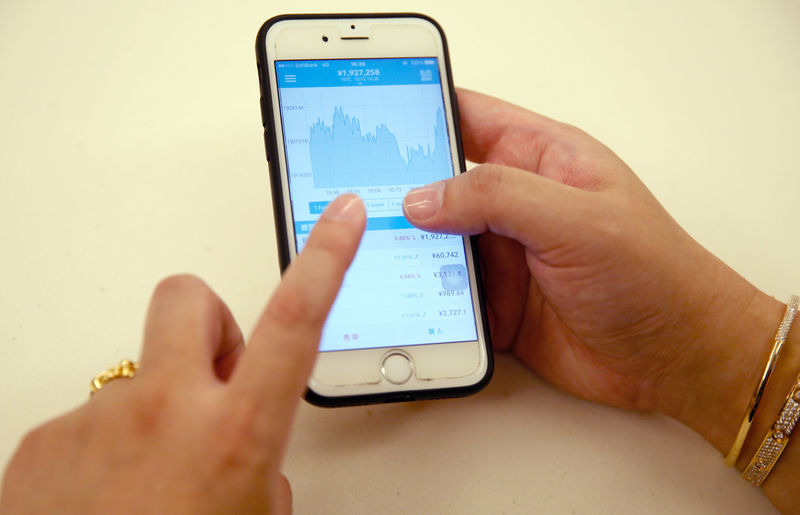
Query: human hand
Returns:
{"type": "Point", "coordinates": [204, 424]}
{"type": "Point", "coordinates": [588, 279]}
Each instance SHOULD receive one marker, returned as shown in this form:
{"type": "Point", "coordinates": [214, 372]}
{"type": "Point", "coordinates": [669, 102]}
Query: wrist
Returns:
{"type": "Point", "coordinates": [709, 384]}
{"type": "Point", "coordinates": [711, 381]}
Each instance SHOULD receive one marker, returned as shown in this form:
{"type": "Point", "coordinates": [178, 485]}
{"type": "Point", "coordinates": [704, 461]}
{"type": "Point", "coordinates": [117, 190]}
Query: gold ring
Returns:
{"type": "Point", "coordinates": [126, 368]}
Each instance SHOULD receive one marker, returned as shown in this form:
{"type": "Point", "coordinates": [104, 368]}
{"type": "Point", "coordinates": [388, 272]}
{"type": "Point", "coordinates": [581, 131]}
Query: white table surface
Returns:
{"type": "Point", "coordinates": [131, 149]}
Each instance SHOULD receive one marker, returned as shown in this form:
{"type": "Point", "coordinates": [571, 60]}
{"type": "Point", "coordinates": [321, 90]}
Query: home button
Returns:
{"type": "Point", "coordinates": [396, 368]}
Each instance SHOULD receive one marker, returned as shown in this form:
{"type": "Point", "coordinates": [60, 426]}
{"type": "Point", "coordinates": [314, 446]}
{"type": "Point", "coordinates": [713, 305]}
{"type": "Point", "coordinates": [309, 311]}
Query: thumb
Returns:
{"type": "Point", "coordinates": [534, 210]}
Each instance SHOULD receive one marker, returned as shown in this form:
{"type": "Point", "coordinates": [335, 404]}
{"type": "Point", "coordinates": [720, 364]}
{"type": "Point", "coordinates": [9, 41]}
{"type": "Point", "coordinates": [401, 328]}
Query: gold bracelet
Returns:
{"type": "Point", "coordinates": [776, 440]}
{"type": "Point", "coordinates": [780, 339]}
{"type": "Point", "coordinates": [126, 368]}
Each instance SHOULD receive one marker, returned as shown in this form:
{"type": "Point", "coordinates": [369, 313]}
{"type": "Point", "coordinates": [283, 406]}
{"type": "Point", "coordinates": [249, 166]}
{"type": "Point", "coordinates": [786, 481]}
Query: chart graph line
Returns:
{"type": "Point", "coordinates": [344, 156]}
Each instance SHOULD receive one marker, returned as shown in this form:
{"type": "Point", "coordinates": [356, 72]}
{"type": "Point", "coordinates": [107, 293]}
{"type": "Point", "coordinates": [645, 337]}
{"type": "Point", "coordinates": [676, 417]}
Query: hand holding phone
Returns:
{"type": "Point", "coordinates": [365, 104]}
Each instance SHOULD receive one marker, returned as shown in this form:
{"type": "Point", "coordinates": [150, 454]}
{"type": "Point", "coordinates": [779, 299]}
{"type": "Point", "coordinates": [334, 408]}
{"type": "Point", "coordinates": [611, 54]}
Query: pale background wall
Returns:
{"type": "Point", "coordinates": [131, 148]}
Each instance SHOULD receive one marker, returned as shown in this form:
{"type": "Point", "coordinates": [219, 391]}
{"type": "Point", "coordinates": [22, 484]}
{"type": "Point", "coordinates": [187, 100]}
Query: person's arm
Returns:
{"type": "Point", "coordinates": [203, 425]}
{"type": "Point", "coordinates": [596, 288]}
{"type": "Point", "coordinates": [711, 392]}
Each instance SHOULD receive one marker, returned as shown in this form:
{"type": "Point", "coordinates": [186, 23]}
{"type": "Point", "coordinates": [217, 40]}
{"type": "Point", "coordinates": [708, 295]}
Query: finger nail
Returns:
{"type": "Point", "coordinates": [344, 208]}
{"type": "Point", "coordinates": [422, 203]}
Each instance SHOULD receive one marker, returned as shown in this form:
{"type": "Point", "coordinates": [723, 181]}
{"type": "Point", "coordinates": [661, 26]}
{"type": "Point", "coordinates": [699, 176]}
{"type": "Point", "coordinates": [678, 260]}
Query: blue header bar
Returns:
{"type": "Point", "coordinates": [357, 72]}
{"type": "Point", "coordinates": [379, 223]}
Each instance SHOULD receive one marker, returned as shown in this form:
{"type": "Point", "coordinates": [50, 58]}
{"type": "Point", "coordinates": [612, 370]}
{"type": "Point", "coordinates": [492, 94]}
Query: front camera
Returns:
{"type": "Point", "coordinates": [325, 39]}
{"type": "Point", "coordinates": [352, 27]}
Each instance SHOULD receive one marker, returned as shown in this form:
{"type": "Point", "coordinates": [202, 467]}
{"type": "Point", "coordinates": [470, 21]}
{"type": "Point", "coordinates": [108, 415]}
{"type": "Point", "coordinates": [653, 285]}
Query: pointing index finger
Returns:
{"type": "Point", "coordinates": [274, 368]}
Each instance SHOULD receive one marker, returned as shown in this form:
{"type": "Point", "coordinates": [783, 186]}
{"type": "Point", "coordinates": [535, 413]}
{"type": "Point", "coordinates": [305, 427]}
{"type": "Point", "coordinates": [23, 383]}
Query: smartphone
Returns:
{"type": "Point", "coordinates": [364, 103]}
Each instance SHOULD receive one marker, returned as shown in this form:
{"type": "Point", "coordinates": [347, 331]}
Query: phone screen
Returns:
{"type": "Point", "coordinates": [377, 128]}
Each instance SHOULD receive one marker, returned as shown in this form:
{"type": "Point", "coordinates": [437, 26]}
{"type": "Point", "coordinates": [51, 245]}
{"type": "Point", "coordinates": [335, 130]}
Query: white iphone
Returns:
{"type": "Point", "coordinates": [365, 104]}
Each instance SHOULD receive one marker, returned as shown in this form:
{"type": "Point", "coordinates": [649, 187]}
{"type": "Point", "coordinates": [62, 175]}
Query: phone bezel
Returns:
{"type": "Point", "coordinates": [444, 384]}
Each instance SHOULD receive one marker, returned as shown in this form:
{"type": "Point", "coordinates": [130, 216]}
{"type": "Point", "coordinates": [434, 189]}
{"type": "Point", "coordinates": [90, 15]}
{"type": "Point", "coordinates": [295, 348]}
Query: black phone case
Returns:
{"type": "Point", "coordinates": [270, 142]}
